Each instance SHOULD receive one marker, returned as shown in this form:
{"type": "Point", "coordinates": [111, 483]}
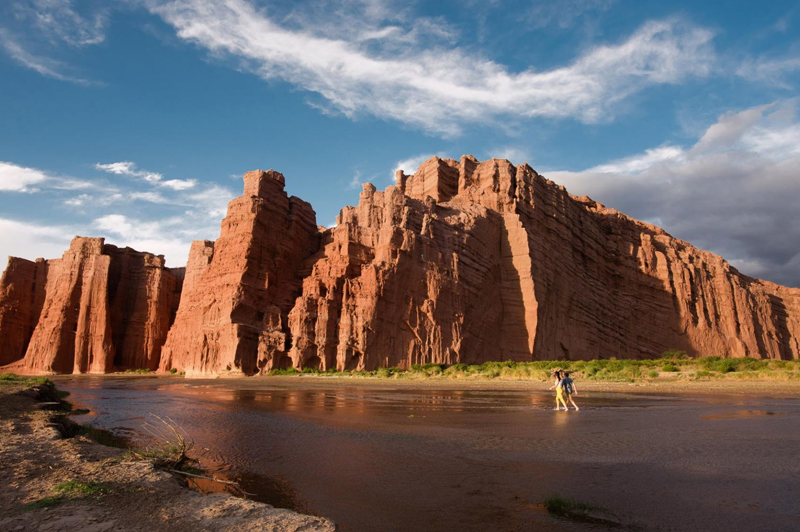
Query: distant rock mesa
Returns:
{"type": "Point", "coordinates": [461, 262]}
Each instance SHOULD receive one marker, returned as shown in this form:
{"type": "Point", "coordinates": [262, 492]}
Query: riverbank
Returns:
{"type": "Point", "coordinates": [675, 384]}
{"type": "Point", "coordinates": [57, 484]}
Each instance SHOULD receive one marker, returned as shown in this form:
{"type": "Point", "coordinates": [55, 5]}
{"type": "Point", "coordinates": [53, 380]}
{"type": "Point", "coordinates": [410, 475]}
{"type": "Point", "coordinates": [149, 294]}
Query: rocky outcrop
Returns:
{"type": "Point", "coordinates": [21, 300]}
{"type": "Point", "coordinates": [239, 290]}
{"type": "Point", "coordinates": [95, 309]}
{"type": "Point", "coordinates": [462, 262]}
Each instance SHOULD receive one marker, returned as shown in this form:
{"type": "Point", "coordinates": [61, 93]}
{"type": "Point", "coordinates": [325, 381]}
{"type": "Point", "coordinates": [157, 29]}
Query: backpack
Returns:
{"type": "Point", "coordinates": [567, 384]}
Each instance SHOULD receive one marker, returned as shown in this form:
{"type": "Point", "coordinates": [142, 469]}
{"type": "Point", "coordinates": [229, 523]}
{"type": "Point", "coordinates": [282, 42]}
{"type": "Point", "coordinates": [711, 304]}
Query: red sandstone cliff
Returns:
{"type": "Point", "coordinates": [462, 262]}
{"type": "Point", "coordinates": [239, 289]}
{"type": "Point", "coordinates": [469, 261]}
{"type": "Point", "coordinates": [21, 300]}
{"type": "Point", "coordinates": [95, 309]}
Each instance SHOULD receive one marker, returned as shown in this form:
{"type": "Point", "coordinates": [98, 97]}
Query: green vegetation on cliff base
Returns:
{"type": "Point", "coordinates": [673, 365]}
{"type": "Point", "coordinates": [11, 378]}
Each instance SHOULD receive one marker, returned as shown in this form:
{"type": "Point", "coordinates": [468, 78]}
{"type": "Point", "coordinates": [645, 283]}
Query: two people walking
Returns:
{"type": "Point", "coordinates": [565, 390]}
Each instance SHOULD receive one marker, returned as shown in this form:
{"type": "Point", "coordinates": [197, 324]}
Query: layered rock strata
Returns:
{"type": "Point", "coordinates": [239, 290]}
{"type": "Point", "coordinates": [469, 261]}
{"type": "Point", "coordinates": [462, 262]}
{"type": "Point", "coordinates": [95, 309]}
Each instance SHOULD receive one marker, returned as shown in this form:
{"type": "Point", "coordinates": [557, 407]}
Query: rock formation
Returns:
{"type": "Point", "coordinates": [461, 262]}
{"type": "Point", "coordinates": [239, 289]}
{"type": "Point", "coordinates": [21, 300]}
{"type": "Point", "coordinates": [97, 308]}
{"type": "Point", "coordinates": [469, 261]}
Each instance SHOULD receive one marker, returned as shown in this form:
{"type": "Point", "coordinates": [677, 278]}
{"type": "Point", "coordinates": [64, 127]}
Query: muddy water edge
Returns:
{"type": "Point", "coordinates": [379, 455]}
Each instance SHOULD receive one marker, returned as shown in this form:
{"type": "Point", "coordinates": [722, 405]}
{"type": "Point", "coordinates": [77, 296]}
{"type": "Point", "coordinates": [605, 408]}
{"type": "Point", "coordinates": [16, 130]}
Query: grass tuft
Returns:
{"type": "Point", "coordinates": [46, 502]}
{"type": "Point", "coordinates": [566, 507]}
{"type": "Point", "coordinates": [75, 488]}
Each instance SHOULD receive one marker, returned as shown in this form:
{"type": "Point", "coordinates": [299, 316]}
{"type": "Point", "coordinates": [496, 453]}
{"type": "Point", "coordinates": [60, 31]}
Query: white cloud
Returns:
{"type": "Point", "coordinates": [179, 184]}
{"type": "Point", "coordinates": [410, 165]}
{"type": "Point", "coordinates": [734, 192]}
{"type": "Point", "coordinates": [439, 89]}
{"type": "Point", "coordinates": [154, 236]}
{"type": "Point", "coordinates": [129, 169]}
{"type": "Point", "coordinates": [518, 155]}
{"type": "Point", "coordinates": [150, 197]}
{"type": "Point", "coordinates": [16, 178]}
{"type": "Point", "coordinates": [639, 163]}
{"type": "Point", "coordinates": [31, 241]}
{"type": "Point", "coordinates": [78, 201]}
{"type": "Point", "coordinates": [212, 202]}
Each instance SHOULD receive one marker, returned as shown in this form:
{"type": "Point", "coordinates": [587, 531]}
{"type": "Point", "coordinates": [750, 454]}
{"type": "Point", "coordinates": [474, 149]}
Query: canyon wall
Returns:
{"type": "Point", "coordinates": [96, 309]}
{"type": "Point", "coordinates": [462, 262]}
{"type": "Point", "coordinates": [468, 261]}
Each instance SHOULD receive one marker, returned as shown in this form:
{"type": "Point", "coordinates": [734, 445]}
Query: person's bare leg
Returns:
{"type": "Point", "coordinates": [571, 400]}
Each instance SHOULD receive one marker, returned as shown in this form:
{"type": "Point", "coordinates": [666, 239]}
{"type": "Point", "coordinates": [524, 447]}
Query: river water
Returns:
{"type": "Point", "coordinates": [375, 456]}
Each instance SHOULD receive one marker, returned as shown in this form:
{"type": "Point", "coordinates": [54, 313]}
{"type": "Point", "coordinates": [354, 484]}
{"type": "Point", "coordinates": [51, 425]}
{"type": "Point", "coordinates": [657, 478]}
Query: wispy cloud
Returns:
{"type": "Point", "coordinates": [733, 192]}
{"type": "Point", "coordinates": [438, 88]}
{"type": "Point", "coordinates": [33, 31]}
{"type": "Point", "coordinates": [770, 70]}
{"type": "Point", "coordinates": [355, 181]}
{"type": "Point", "coordinates": [128, 168]}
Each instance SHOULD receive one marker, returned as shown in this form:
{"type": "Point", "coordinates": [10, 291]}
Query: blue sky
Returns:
{"type": "Point", "coordinates": [135, 119]}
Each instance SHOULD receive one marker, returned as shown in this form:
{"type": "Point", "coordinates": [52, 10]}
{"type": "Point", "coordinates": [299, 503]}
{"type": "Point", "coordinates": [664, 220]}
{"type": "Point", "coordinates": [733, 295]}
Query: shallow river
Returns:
{"type": "Point", "coordinates": [373, 456]}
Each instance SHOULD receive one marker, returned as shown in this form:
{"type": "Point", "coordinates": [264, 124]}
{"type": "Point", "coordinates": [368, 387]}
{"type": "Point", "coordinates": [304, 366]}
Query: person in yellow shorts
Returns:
{"type": "Point", "coordinates": [559, 390]}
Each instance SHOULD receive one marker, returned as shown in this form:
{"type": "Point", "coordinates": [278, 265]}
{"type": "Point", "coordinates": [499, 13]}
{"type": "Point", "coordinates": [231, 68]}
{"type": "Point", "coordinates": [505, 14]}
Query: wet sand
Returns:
{"type": "Point", "coordinates": [453, 455]}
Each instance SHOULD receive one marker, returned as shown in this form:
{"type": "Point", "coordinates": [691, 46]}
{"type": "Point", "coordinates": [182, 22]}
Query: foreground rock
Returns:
{"type": "Point", "coordinates": [125, 495]}
{"type": "Point", "coordinates": [462, 262]}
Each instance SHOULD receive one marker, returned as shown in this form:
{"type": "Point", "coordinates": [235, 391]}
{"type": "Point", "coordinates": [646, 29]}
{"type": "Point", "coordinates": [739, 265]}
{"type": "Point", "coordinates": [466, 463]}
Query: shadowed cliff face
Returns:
{"type": "Point", "coordinates": [461, 262]}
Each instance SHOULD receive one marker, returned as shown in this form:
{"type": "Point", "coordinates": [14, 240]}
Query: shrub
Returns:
{"type": "Point", "coordinates": [285, 371]}
{"type": "Point", "coordinates": [652, 374]}
{"type": "Point", "coordinates": [670, 368]}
